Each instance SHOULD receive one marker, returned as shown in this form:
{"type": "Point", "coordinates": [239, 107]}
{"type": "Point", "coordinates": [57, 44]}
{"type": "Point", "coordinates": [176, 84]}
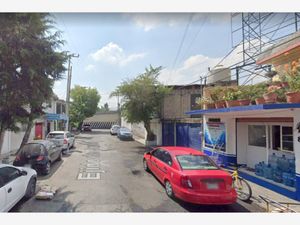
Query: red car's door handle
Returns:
{"type": "Point", "coordinates": [9, 190]}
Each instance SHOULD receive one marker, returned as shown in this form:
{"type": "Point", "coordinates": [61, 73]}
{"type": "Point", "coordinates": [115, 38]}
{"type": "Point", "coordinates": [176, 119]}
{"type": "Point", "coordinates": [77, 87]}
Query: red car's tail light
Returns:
{"type": "Point", "coordinates": [65, 141]}
{"type": "Point", "coordinates": [186, 182]}
{"type": "Point", "coordinates": [40, 158]}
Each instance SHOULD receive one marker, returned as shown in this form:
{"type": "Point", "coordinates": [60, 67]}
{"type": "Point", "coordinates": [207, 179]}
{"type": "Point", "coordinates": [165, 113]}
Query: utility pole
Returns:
{"type": "Point", "coordinates": [68, 88]}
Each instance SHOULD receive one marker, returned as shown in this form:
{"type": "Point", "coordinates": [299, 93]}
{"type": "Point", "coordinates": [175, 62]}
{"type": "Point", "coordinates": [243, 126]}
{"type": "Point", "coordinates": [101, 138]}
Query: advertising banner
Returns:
{"type": "Point", "coordinates": [215, 136]}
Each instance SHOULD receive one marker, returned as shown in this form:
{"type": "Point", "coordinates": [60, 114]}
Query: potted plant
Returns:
{"type": "Point", "coordinates": [256, 92]}
{"type": "Point", "coordinates": [272, 94]}
{"type": "Point", "coordinates": [293, 91]}
{"type": "Point", "coordinates": [217, 94]}
{"type": "Point", "coordinates": [231, 97]}
{"type": "Point", "coordinates": [206, 103]}
{"type": "Point", "coordinates": [244, 95]}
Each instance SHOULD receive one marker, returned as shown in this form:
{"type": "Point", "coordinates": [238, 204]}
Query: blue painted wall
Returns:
{"type": "Point", "coordinates": [189, 135]}
{"type": "Point", "coordinates": [168, 134]}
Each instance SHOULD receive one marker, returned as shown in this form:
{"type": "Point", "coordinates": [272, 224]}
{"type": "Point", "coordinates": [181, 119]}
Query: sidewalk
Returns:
{"type": "Point", "coordinates": [264, 192]}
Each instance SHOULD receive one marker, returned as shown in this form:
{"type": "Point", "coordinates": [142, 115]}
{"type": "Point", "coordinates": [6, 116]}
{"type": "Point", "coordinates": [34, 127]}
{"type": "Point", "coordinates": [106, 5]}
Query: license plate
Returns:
{"type": "Point", "coordinates": [212, 186]}
{"type": "Point", "coordinates": [27, 165]}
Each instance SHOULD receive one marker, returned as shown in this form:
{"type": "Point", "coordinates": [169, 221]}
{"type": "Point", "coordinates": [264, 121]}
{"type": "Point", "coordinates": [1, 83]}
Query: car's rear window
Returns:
{"type": "Point", "coordinates": [56, 136]}
{"type": "Point", "coordinates": [196, 162]}
{"type": "Point", "coordinates": [32, 149]}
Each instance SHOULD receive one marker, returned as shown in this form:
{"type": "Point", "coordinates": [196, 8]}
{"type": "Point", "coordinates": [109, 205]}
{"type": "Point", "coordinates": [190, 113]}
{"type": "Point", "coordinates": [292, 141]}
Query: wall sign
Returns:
{"type": "Point", "coordinates": [215, 136]}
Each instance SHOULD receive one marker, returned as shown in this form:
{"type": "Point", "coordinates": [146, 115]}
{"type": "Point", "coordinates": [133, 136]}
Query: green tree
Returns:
{"type": "Point", "coordinates": [142, 98]}
{"type": "Point", "coordinates": [84, 104]}
{"type": "Point", "coordinates": [29, 64]}
{"type": "Point", "coordinates": [103, 108]}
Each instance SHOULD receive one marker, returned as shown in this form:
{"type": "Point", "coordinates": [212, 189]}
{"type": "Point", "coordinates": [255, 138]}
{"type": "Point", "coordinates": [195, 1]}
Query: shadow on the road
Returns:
{"type": "Point", "coordinates": [84, 138]}
{"type": "Point", "coordinates": [54, 168]}
{"type": "Point", "coordinates": [190, 207]}
{"type": "Point", "coordinates": [57, 204]}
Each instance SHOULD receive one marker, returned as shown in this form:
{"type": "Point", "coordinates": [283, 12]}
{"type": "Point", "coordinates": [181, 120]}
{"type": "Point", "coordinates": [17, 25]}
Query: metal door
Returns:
{"type": "Point", "coordinates": [168, 134]}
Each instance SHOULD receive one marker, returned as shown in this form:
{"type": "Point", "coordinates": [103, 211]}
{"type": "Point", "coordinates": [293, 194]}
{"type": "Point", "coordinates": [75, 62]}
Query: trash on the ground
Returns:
{"type": "Point", "coordinates": [46, 193]}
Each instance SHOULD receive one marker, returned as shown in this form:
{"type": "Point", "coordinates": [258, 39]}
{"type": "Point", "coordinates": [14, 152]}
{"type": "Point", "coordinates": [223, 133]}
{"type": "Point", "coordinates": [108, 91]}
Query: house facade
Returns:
{"type": "Point", "coordinates": [53, 119]}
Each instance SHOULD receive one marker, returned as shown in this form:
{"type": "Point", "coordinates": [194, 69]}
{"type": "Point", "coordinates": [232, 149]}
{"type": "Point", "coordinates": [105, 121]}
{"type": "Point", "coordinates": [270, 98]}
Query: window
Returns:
{"type": "Point", "coordinates": [282, 138]}
{"type": "Point", "coordinates": [194, 99]}
{"type": "Point", "coordinates": [196, 162]}
{"type": "Point", "coordinates": [157, 154]}
{"type": "Point", "coordinates": [287, 139]}
{"type": "Point", "coordinates": [166, 158]}
{"type": "Point", "coordinates": [257, 135]}
{"type": "Point", "coordinates": [8, 174]}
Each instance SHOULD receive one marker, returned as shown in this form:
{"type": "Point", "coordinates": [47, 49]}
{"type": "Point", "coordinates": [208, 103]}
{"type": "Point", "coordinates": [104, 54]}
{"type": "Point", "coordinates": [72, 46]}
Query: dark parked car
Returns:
{"type": "Point", "coordinates": [38, 155]}
{"type": "Point", "coordinates": [125, 134]}
{"type": "Point", "coordinates": [86, 127]}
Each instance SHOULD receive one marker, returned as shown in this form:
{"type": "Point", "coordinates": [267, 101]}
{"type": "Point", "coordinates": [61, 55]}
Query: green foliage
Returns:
{"type": "Point", "coordinates": [217, 93]}
{"type": "Point", "coordinates": [84, 104]}
{"type": "Point", "coordinates": [205, 100]}
{"type": "Point", "coordinates": [257, 90]}
{"type": "Point", "coordinates": [231, 93]}
{"type": "Point", "coordinates": [142, 98]}
{"type": "Point", "coordinates": [29, 64]}
{"type": "Point", "coordinates": [294, 81]}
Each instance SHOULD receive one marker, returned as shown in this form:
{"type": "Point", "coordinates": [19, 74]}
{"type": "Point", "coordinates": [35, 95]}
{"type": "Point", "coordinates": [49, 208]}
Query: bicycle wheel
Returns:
{"type": "Point", "coordinates": [243, 189]}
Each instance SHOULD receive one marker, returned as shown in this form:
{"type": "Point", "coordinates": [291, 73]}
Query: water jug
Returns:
{"type": "Point", "coordinates": [273, 161]}
{"type": "Point", "coordinates": [268, 172]}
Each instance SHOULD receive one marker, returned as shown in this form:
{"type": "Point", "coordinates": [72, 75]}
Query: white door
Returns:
{"type": "Point", "coordinates": [257, 144]}
{"type": "Point", "coordinates": [14, 187]}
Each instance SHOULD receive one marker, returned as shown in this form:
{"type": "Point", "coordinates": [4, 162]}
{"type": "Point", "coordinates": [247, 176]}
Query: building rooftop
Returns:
{"type": "Point", "coordinates": [245, 109]}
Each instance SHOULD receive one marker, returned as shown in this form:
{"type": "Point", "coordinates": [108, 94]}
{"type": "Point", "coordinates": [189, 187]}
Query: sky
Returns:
{"type": "Point", "coordinates": [114, 47]}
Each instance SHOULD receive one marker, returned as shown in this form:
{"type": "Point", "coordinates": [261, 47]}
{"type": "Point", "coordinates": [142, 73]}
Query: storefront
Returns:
{"type": "Point", "coordinates": [264, 138]}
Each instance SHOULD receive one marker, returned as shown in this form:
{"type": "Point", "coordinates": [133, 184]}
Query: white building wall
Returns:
{"type": "Point", "coordinates": [242, 142]}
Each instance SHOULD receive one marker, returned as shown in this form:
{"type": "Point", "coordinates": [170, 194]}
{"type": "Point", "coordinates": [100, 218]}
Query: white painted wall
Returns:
{"type": "Point", "coordinates": [242, 141]}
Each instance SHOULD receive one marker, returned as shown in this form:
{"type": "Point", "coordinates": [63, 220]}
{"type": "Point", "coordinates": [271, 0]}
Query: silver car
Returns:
{"type": "Point", "coordinates": [62, 138]}
{"type": "Point", "coordinates": [125, 134]}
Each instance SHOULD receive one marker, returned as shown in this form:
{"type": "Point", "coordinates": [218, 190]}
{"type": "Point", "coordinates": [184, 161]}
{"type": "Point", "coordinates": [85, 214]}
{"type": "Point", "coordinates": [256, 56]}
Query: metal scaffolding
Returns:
{"type": "Point", "coordinates": [254, 32]}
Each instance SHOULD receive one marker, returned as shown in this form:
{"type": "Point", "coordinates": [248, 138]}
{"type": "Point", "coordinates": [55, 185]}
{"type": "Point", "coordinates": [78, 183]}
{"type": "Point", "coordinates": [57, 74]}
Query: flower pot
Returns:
{"type": "Point", "coordinates": [293, 97]}
{"type": "Point", "coordinates": [232, 103]}
{"type": "Point", "coordinates": [244, 102]}
{"type": "Point", "coordinates": [284, 84]}
{"type": "Point", "coordinates": [260, 101]}
{"type": "Point", "coordinates": [209, 106]}
{"type": "Point", "coordinates": [270, 97]}
{"type": "Point", "coordinates": [220, 104]}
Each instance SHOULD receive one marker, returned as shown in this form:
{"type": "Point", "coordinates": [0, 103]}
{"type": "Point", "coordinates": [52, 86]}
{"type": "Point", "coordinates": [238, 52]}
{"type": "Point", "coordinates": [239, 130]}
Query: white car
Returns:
{"type": "Point", "coordinates": [114, 129]}
{"type": "Point", "coordinates": [62, 138]}
{"type": "Point", "coordinates": [15, 184]}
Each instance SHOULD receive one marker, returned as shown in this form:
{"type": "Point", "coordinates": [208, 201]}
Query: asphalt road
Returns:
{"type": "Point", "coordinates": [104, 174]}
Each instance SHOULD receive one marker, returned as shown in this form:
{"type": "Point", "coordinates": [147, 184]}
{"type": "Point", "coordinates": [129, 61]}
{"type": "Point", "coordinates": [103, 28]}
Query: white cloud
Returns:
{"type": "Point", "coordinates": [112, 102]}
{"type": "Point", "coordinates": [197, 65]}
{"type": "Point", "coordinates": [89, 67]}
{"type": "Point", "coordinates": [114, 54]}
{"type": "Point", "coordinates": [60, 89]}
{"type": "Point", "coordinates": [150, 21]}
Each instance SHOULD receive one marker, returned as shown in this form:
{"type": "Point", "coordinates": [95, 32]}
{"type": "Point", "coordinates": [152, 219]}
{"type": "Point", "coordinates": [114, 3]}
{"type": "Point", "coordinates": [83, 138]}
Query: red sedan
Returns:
{"type": "Point", "coordinates": [190, 175]}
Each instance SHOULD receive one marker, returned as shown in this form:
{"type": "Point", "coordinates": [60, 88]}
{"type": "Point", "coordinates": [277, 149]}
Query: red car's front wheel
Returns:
{"type": "Point", "coordinates": [145, 165]}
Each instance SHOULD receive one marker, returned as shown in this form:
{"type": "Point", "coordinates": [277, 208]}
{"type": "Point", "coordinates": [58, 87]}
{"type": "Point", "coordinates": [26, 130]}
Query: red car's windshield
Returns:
{"type": "Point", "coordinates": [196, 162]}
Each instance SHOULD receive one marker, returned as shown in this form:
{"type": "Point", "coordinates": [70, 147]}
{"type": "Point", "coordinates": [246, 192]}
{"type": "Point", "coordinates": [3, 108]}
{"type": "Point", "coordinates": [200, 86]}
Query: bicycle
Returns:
{"type": "Point", "coordinates": [241, 186]}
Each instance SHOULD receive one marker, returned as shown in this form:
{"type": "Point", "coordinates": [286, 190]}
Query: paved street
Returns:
{"type": "Point", "coordinates": [104, 174]}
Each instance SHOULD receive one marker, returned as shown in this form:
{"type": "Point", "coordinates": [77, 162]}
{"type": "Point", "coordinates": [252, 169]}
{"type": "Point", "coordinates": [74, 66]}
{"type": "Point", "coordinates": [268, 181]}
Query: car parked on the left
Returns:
{"type": "Point", "coordinates": [15, 183]}
{"type": "Point", "coordinates": [39, 155]}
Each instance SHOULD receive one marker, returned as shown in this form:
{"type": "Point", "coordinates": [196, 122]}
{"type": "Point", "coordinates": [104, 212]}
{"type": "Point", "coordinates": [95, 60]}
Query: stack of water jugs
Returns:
{"type": "Point", "coordinates": [279, 169]}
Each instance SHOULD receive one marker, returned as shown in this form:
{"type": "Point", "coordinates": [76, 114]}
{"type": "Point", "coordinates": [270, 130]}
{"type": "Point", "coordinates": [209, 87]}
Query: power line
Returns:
{"type": "Point", "coordinates": [181, 43]}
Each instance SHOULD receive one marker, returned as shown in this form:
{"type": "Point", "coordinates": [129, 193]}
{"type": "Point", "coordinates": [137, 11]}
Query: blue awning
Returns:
{"type": "Point", "coordinates": [54, 116]}
{"type": "Point", "coordinates": [245, 108]}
